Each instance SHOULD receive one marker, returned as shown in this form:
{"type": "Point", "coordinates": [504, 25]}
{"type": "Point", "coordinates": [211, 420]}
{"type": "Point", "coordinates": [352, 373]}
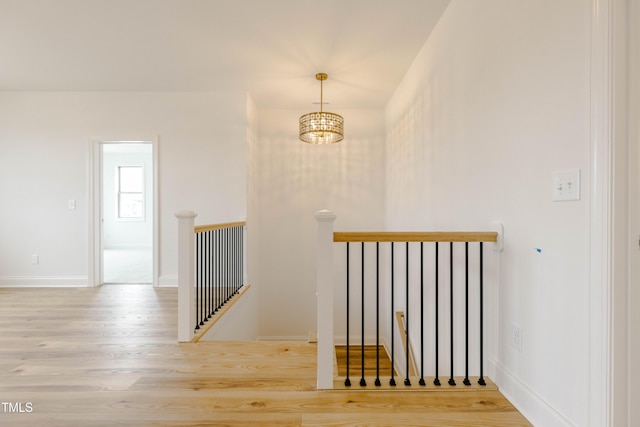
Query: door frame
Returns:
{"type": "Point", "coordinates": [615, 210]}
{"type": "Point", "coordinates": [95, 251]}
{"type": "Point", "coordinates": [633, 91]}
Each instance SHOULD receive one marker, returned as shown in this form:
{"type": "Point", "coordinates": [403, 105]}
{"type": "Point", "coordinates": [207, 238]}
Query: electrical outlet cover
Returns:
{"type": "Point", "coordinates": [566, 186]}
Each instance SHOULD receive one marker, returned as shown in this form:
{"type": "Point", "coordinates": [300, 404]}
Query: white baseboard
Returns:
{"type": "Point", "coordinates": [283, 338]}
{"type": "Point", "coordinates": [44, 282]}
{"type": "Point", "coordinates": [534, 408]}
{"type": "Point", "coordinates": [356, 341]}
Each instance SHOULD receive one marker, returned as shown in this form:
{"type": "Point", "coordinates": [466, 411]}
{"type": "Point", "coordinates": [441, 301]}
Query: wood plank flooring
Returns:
{"type": "Point", "coordinates": [109, 357]}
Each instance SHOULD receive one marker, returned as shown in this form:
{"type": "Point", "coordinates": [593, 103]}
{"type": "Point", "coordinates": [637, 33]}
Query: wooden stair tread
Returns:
{"type": "Point", "coordinates": [355, 360]}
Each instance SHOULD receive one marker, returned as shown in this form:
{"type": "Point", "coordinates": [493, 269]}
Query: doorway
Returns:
{"type": "Point", "coordinates": [125, 212]}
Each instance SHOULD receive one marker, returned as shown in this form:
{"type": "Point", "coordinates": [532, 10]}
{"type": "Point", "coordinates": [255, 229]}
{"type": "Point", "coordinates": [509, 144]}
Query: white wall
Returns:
{"type": "Point", "coordinates": [495, 103]}
{"type": "Point", "coordinates": [239, 322]}
{"type": "Point", "coordinates": [291, 181]}
{"type": "Point", "coordinates": [45, 140]}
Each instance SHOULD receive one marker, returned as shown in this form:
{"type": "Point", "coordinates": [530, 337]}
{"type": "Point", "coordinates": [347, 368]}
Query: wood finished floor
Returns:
{"type": "Point", "coordinates": [109, 357]}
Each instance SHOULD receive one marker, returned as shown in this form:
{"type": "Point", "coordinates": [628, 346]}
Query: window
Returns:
{"type": "Point", "coordinates": [130, 192]}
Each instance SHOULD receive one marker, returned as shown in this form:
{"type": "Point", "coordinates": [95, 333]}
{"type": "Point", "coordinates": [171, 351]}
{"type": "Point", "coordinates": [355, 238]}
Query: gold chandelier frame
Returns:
{"type": "Point", "coordinates": [321, 127]}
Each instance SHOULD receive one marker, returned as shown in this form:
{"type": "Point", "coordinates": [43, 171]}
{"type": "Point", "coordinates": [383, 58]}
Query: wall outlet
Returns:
{"type": "Point", "coordinates": [516, 337]}
{"type": "Point", "coordinates": [35, 259]}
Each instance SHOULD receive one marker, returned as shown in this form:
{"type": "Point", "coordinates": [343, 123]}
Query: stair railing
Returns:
{"type": "Point", "coordinates": [210, 271]}
{"type": "Point", "coordinates": [400, 278]}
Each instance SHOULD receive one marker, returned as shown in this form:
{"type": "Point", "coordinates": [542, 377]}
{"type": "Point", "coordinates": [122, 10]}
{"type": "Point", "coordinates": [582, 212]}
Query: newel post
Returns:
{"type": "Point", "coordinates": [186, 275]}
{"type": "Point", "coordinates": [324, 291]}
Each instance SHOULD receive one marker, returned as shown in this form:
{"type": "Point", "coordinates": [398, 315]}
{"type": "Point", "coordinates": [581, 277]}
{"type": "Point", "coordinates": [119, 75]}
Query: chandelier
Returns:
{"type": "Point", "coordinates": [321, 127]}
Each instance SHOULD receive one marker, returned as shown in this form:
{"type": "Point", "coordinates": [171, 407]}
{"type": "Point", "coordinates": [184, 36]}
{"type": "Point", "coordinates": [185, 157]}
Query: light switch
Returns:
{"type": "Point", "coordinates": [71, 204]}
{"type": "Point", "coordinates": [566, 186]}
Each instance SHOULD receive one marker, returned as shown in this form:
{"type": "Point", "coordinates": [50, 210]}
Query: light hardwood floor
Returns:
{"type": "Point", "coordinates": [109, 357]}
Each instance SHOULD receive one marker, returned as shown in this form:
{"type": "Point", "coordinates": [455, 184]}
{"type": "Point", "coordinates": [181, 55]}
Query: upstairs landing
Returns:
{"type": "Point", "coordinates": [109, 356]}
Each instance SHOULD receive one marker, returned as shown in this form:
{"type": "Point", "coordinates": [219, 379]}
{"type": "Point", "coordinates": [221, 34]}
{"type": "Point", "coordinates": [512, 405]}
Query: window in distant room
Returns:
{"type": "Point", "coordinates": [130, 203]}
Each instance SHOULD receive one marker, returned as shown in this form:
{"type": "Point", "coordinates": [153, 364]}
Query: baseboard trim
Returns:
{"type": "Point", "coordinates": [44, 282]}
{"type": "Point", "coordinates": [283, 338]}
{"type": "Point", "coordinates": [530, 404]}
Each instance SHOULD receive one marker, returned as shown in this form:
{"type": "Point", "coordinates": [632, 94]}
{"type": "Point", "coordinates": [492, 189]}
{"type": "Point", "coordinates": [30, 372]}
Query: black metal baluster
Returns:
{"type": "Point", "coordinates": [237, 258]}
{"type": "Point", "coordinates": [392, 381]}
{"type": "Point", "coordinates": [225, 260]}
{"type": "Point", "coordinates": [481, 380]}
{"type": "Point", "coordinates": [202, 263]}
{"type": "Point", "coordinates": [207, 273]}
{"type": "Point", "coordinates": [219, 270]}
{"type": "Point", "coordinates": [229, 270]}
{"type": "Point", "coordinates": [451, 380]}
{"type": "Point", "coordinates": [407, 381]}
{"type": "Point", "coordinates": [436, 380]}
{"type": "Point", "coordinates": [240, 257]}
{"type": "Point", "coordinates": [240, 260]}
{"type": "Point", "coordinates": [214, 257]}
{"type": "Point", "coordinates": [226, 266]}
{"type": "Point", "coordinates": [466, 314]}
{"type": "Point", "coordinates": [230, 263]}
{"type": "Point", "coordinates": [198, 265]}
{"type": "Point", "coordinates": [362, 380]}
{"type": "Point", "coordinates": [232, 270]}
{"type": "Point", "coordinates": [232, 231]}
{"type": "Point", "coordinates": [422, 382]}
{"type": "Point", "coordinates": [220, 259]}
{"type": "Point", "coordinates": [204, 276]}
{"type": "Point", "coordinates": [377, 383]}
{"type": "Point", "coordinates": [203, 273]}
{"type": "Point", "coordinates": [212, 270]}
{"type": "Point", "coordinates": [216, 273]}
{"type": "Point", "coordinates": [347, 381]}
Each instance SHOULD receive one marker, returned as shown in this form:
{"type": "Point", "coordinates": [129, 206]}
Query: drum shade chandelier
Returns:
{"type": "Point", "coordinates": [321, 127]}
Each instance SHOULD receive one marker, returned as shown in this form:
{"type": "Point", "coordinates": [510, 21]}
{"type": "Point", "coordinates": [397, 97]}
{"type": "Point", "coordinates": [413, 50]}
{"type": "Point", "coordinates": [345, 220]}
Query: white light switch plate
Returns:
{"type": "Point", "coordinates": [566, 186]}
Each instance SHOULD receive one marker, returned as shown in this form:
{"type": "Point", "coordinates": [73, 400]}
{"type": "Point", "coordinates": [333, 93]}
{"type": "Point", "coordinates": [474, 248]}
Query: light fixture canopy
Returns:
{"type": "Point", "coordinates": [321, 127]}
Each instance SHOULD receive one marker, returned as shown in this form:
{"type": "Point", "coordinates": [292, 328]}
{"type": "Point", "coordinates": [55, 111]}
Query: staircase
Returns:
{"type": "Point", "coordinates": [355, 361]}
{"type": "Point", "coordinates": [355, 373]}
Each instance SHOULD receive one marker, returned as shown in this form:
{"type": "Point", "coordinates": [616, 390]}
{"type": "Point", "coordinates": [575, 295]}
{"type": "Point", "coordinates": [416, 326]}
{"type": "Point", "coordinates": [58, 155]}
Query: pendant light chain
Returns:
{"type": "Point", "coordinates": [321, 103]}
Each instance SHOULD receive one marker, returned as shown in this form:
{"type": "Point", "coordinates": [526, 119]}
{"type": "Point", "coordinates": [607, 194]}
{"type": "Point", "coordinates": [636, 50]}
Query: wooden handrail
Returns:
{"type": "Point", "coordinates": [420, 236]}
{"type": "Point", "coordinates": [212, 227]}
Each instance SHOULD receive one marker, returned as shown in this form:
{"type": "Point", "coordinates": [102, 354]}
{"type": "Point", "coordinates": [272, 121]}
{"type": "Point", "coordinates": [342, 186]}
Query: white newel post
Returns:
{"type": "Point", "coordinates": [186, 275]}
{"type": "Point", "coordinates": [324, 292]}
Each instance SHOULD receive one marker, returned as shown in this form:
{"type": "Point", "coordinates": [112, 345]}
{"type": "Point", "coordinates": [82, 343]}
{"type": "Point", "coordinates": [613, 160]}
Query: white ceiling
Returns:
{"type": "Point", "coordinates": [270, 48]}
